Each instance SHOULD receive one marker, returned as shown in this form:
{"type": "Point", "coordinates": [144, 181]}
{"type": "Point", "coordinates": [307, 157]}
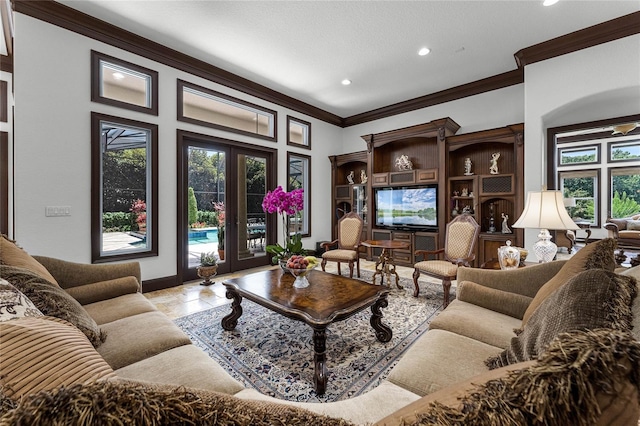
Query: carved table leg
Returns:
{"type": "Point", "coordinates": [379, 269]}
{"type": "Point", "coordinates": [383, 332]}
{"type": "Point", "coordinates": [319, 360]}
{"type": "Point", "coordinates": [392, 270]}
{"type": "Point", "coordinates": [230, 321]}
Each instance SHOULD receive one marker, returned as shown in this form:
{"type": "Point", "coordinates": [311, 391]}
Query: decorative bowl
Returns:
{"type": "Point", "coordinates": [301, 280]}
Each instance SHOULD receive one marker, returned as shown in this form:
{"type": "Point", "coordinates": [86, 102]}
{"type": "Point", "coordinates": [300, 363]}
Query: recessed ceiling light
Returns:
{"type": "Point", "coordinates": [346, 82]}
{"type": "Point", "coordinates": [549, 2]}
{"type": "Point", "coordinates": [118, 75]}
{"type": "Point", "coordinates": [424, 51]}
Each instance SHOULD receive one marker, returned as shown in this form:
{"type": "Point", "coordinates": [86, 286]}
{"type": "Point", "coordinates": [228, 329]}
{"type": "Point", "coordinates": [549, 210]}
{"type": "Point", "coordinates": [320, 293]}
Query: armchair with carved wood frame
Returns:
{"type": "Point", "coordinates": [460, 241]}
{"type": "Point", "coordinates": [348, 243]}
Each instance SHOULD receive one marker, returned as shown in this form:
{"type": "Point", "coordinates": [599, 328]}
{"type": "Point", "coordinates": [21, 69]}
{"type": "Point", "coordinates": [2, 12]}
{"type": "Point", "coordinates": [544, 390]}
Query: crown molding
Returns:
{"type": "Point", "coordinates": [499, 81]}
{"type": "Point", "coordinates": [65, 17]}
{"type": "Point", "coordinates": [604, 32]}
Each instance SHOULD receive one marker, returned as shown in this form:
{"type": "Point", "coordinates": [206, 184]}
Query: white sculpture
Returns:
{"type": "Point", "coordinates": [350, 177]}
{"type": "Point", "coordinates": [505, 227]}
{"type": "Point", "coordinates": [403, 163]}
{"type": "Point", "coordinates": [494, 163]}
{"type": "Point", "coordinates": [467, 167]}
{"type": "Point", "coordinates": [363, 177]}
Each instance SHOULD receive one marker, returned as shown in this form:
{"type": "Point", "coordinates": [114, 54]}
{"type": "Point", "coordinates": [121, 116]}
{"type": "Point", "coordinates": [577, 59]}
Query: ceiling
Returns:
{"type": "Point", "coordinates": [304, 49]}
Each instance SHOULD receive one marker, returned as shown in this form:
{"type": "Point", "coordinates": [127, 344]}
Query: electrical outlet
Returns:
{"type": "Point", "coordinates": [51, 211]}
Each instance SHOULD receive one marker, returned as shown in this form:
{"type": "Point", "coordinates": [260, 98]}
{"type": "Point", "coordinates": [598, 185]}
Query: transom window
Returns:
{"type": "Point", "coordinates": [205, 107]}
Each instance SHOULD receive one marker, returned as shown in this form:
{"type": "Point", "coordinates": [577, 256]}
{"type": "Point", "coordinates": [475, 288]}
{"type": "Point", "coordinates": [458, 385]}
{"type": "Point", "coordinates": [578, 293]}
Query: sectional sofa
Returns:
{"type": "Point", "coordinates": [80, 344]}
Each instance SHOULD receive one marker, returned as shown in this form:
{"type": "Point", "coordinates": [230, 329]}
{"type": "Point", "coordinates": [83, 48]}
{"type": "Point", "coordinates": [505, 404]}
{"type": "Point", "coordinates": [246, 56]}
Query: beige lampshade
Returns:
{"type": "Point", "coordinates": [545, 210]}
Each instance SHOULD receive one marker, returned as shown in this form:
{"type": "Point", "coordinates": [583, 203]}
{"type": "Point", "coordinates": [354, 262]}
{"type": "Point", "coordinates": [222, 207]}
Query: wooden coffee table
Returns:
{"type": "Point", "coordinates": [385, 265]}
{"type": "Point", "coordinates": [328, 299]}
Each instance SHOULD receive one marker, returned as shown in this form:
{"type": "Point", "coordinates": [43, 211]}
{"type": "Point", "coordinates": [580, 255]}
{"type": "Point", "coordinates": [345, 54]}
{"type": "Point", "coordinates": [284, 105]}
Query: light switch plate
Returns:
{"type": "Point", "coordinates": [51, 211]}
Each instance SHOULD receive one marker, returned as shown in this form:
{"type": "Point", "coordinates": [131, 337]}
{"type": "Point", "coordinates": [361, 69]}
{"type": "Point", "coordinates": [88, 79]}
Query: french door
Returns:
{"type": "Point", "coordinates": [220, 191]}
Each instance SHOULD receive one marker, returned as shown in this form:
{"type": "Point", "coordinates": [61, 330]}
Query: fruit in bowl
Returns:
{"type": "Point", "coordinates": [299, 266]}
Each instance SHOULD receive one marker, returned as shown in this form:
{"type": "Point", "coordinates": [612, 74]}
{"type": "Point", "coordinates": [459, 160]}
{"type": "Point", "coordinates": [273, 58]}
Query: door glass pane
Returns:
{"type": "Point", "coordinates": [252, 172]}
{"type": "Point", "coordinates": [581, 188]}
{"type": "Point", "coordinates": [205, 201]}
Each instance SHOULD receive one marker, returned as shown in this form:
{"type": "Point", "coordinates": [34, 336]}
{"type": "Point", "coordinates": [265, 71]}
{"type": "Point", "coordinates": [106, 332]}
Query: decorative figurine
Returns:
{"type": "Point", "coordinates": [403, 163]}
{"type": "Point", "coordinates": [494, 163]}
{"type": "Point", "coordinates": [456, 209]}
{"type": "Point", "coordinates": [350, 178]}
{"type": "Point", "coordinates": [467, 167]}
{"type": "Point", "coordinates": [467, 210]}
{"type": "Point", "coordinates": [505, 227]}
{"type": "Point", "coordinates": [363, 177]}
{"type": "Point", "coordinates": [471, 194]}
{"type": "Point", "coordinates": [465, 192]}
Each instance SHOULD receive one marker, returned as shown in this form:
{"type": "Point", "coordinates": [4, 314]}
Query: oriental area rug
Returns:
{"type": "Point", "coordinates": [274, 354]}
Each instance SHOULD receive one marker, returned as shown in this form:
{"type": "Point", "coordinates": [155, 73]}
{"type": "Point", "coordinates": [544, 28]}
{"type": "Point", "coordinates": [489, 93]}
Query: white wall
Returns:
{"type": "Point", "coordinates": [488, 110]}
{"type": "Point", "coordinates": [591, 84]}
{"type": "Point", "coordinates": [53, 149]}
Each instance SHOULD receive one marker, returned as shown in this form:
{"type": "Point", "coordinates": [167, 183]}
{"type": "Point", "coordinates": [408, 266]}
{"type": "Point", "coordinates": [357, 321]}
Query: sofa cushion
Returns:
{"type": "Point", "coordinates": [585, 378]}
{"type": "Point", "coordinates": [592, 299]}
{"type": "Point", "coordinates": [12, 255]}
{"type": "Point", "coordinates": [476, 322]}
{"type": "Point", "coordinates": [635, 308]}
{"type": "Point", "coordinates": [104, 290]}
{"type": "Point", "coordinates": [39, 353]}
{"type": "Point", "coordinates": [116, 402]}
{"type": "Point", "coordinates": [14, 304]}
{"type": "Point", "coordinates": [598, 255]}
{"type": "Point", "coordinates": [53, 301]}
{"type": "Point", "coordinates": [439, 359]}
{"type": "Point", "coordinates": [119, 307]}
{"type": "Point", "coordinates": [197, 370]}
{"type": "Point", "coordinates": [141, 336]}
{"type": "Point", "coordinates": [504, 302]}
{"type": "Point", "coordinates": [633, 225]}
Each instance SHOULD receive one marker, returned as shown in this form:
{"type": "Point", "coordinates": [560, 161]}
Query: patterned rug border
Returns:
{"type": "Point", "coordinates": [295, 384]}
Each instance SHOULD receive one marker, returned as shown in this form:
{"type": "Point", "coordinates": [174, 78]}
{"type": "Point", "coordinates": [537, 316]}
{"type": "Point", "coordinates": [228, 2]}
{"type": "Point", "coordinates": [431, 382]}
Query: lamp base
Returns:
{"type": "Point", "coordinates": [544, 249]}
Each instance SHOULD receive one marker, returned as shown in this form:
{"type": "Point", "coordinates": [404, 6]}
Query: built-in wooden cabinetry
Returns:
{"type": "Point", "coordinates": [487, 196]}
{"type": "Point", "coordinates": [438, 157]}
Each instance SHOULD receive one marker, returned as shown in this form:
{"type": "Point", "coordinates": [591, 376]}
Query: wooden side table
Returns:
{"type": "Point", "coordinates": [385, 265]}
{"type": "Point", "coordinates": [587, 228]}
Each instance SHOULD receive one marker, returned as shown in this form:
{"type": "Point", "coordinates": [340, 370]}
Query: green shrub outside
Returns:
{"type": "Point", "coordinates": [117, 221]}
{"type": "Point", "coordinates": [207, 217]}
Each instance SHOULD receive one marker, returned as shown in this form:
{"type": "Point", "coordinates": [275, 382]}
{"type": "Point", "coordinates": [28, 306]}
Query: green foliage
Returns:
{"type": "Point", "coordinates": [124, 178]}
{"type": "Point", "coordinates": [209, 218]}
{"type": "Point", "coordinates": [587, 158]}
{"type": "Point", "coordinates": [208, 259]}
{"type": "Point", "coordinates": [117, 221]}
{"type": "Point", "coordinates": [193, 206]}
{"type": "Point", "coordinates": [623, 205]}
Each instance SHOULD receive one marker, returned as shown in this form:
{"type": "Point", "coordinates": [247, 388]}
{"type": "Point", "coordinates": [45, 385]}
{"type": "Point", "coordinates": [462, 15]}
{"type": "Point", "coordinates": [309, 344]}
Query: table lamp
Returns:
{"type": "Point", "coordinates": [545, 210]}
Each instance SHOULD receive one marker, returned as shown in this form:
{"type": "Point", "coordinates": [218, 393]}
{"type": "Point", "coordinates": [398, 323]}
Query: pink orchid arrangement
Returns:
{"type": "Point", "coordinates": [287, 204]}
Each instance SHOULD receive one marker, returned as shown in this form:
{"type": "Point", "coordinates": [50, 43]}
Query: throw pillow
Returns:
{"type": "Point", "coordinates": [584, 378]}
{"type": "Point", "coordinates": [128, 403]}
{"type": "Point", "coordinates": [14, 304]}
{"type": "Point", "coordinates": [598, 255]}
{"type": "Point", "coordinates": [12, 255]}
{"type": "Point", "coordinates": [592, 299]}
{"type": "Point", "coordinates": [633, 225]}
{"type": "Point", "coordinates": [505, 302]}
{"type": "Point", "coordinates": [42, 353]}
{"type": "Point", "coordinates": [53, 301]}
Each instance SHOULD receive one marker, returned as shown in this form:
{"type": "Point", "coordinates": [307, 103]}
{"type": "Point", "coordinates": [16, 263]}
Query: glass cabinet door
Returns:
{"type": "Point", "coordinates": [360, 201]}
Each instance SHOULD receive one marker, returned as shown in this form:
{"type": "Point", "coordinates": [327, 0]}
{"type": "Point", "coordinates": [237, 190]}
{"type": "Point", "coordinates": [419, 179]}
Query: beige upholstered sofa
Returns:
{"type": "Point", "coordinates": [146, 367]}
{"type": "Point", "coordinates": [625, 231]}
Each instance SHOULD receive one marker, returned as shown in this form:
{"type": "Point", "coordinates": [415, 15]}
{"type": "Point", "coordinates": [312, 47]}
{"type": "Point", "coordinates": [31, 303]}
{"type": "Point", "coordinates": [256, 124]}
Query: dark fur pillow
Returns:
{"type": "Point", "coordinates": [592, 299]}
{"type": "Point", "coordinates": [53, 301]}
{"type": "Point", "coordinates": [108, 403]}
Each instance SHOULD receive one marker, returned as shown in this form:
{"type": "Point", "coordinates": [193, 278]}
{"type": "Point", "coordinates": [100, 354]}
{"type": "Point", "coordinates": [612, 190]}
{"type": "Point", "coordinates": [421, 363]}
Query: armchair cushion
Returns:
{"type": "Point", "coordinates": [439, 267]}
{"type": "Point", "coordinates": [340, 255]}
{"type": "Point", "coordinates": [505, 302]}
{"type": "Point", "coordinates": [633, 225]}
{"type": "Point", "coordinates": [597, 255]}
{"type": "Point", "coordinates": [590, 300]}
{"type": "Point", "coordinates": [12, 255]}
{"type": "Point", "coordinates": [53, 301]}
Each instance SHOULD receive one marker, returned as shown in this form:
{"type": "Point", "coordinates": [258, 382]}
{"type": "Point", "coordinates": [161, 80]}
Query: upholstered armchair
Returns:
{"type": "Point", "coordinates": [348, 243]}
{"type": "Point", "coordinates": [460, 241]}
{"type": "Point", "coordinates": [625, 231]}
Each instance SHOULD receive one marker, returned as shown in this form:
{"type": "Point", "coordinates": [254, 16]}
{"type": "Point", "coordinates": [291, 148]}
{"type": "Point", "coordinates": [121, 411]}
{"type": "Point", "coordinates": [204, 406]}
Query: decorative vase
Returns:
{"type": "Point", "coordinates": [508, 256]}
{"type": "Point", "coordinates": [221, 254]}
{"type": "Point", "coordinates": [283, 264]}
{"type": "Point", "coordinates": [206, 272]}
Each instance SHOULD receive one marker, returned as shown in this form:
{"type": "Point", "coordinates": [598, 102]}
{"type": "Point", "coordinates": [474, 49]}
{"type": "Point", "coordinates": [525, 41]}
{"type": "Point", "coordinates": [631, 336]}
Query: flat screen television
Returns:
{"type": "Point", "coordinates": [407, 207]}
